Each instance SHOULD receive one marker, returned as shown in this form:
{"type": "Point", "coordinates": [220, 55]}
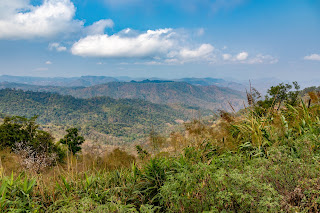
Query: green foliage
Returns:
{"type": "Point", "coordinates": [143, 154]}
{"type": "Point", "coordinates": [16, 194]}
{"type": "Point", "coordinates": [128, 119]}
{"type": "Point", "coordinates": [73, 140]}
{"type": "Point", "coordinates": [25, 133]}
{"type": "Point", "coordinates": [261, 163]}
{"type": "Point", "coordinates": [278, 95]}
{"type": "Point", "coordinates": [160, 92]}
{"type": "Point", "coordinates": [17, 129]}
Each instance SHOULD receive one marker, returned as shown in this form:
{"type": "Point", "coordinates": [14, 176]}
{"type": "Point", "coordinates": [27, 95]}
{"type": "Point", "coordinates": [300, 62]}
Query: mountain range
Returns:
{"type": "Point", "coordinates": [102, 118]}
{"type": "Point", "coordinates": [156, 91]}
{"type": "Point", "coordinates": [85, 81]}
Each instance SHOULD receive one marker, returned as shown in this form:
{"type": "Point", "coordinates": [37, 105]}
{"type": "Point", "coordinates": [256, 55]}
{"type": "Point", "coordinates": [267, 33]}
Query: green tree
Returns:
{"type": "Point", "coordinates": [277, 95]}
{"type": "Point", "coordinates": [282, 93]}
{"type": "Point", "coordinates": [18, 129]}
{"type": "Point", "coordinates": [18, 133]}
{"type": "Point", "coordinates": [72, 140]}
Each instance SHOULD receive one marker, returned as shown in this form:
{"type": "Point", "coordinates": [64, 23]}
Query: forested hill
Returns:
{"type": "Point", "coordinates": [206, 97]}
{"type": "Point", "coordinates": [124, 118]}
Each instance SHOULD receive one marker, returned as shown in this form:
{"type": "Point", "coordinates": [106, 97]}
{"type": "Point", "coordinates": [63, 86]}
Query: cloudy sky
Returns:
{"type": "Point", "coordinates": [241, 39]}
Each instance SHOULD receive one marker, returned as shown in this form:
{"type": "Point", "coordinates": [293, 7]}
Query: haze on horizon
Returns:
{"type": "Point", "coordinates": [240, 39]}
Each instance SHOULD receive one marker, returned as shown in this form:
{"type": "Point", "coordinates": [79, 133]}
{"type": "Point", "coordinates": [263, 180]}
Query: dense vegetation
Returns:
{"type": "Point", "coordinates": [125, 118]}
{"type": "Point", "coordinates": [159, 92]}
{"type": "Point", "coordinates": [245, 162]}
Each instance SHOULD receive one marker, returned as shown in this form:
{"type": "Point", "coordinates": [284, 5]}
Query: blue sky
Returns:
{"type": "Point", "coordinates": [241, 39]}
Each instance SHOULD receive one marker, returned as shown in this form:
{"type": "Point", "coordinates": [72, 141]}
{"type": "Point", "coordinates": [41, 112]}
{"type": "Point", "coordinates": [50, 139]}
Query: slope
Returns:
{"type": "Point", "coordinates": [125, 119]}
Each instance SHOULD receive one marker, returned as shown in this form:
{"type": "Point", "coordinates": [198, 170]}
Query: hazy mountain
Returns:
{"type": "Point", "coordinates": [213, 81]}
{"type": "Point", "coordinates": [58, 81]}
{"type": "Point", "coordinates": [161, 92]}
{"type": "Point", "coordinates": [86, 81]}
{"type": "Point", "coordinates": [123, 118]}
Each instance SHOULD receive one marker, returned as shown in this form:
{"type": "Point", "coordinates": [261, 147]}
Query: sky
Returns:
{"type": "Point", "coordinates": [232, 39]}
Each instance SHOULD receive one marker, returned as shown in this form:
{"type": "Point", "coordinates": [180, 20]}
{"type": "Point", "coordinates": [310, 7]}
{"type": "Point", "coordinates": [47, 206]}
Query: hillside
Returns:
{"type": "Point", "coordinates": [160, 92]}
{"type": "Point", "coordinates": [213, 81]}
{"type": "Point", "coordinates": [123, 119]}
{"type": "Point", "coordinates": [262, 159]}
{"type": "Point", "coordinates": [85, 81]}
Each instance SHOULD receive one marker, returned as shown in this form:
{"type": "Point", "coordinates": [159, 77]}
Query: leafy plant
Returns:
{"type": "Point", "coordinates": [73, 140]}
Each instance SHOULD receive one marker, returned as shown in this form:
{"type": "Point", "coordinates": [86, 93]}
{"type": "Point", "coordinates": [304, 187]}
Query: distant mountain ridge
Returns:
{"type": "Point", "coordinates": [213, 81]}
{"type": "Point", "coordinates": [87, 81]}
{"type": "Point", "coordinates": [159, 92]}
{"type": "Point", "coordinates": [83, 81]}
{"type": "Point", "coordinates": [124, 119]}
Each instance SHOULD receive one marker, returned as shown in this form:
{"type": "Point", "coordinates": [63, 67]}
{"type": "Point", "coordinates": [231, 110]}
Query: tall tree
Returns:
{"type": "Point", "coordinates": [73, 140]}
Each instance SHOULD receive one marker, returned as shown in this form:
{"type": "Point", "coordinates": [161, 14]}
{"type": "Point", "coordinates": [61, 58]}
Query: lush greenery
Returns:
{"type": "Point", "coordinates": [159, 92]}
{"type": "Point", "coordinates": [24, 137]}
{"type": "Point", "coordinates": [245, 162]}
{"type": "Point", "coordinates": [73, 140]}
{"type": "Point", "coordinates": [126, 118]}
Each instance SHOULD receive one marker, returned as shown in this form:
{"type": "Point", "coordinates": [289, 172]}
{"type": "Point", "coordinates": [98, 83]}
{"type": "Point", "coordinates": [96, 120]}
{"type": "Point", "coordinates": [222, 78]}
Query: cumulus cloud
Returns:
{"type": "Point", "coordinates": [312, 57]}
{"type": "Point", "coordinates": [202, 51]}
{"type": "Point", "coordinates": [226, 57]}
{"type": "Point", "coordinates": [7, 8]}
{"type": "Point", "coordinates": [262, 59]}
{"type": "Point", "coordinates": [162, 46]}
{"type": "Point", "coordinates": [24, 21]}
{"type": "Point", "coordinates": [57, 47]}
{"type": "Point", "coordinates": [242, 56]}
{"type": "Point", "coordinates": [48, 62]}
{"type": "Point", "coordinates": [99, 27]}
{"type": "Point", "coordinates": [149, 44]}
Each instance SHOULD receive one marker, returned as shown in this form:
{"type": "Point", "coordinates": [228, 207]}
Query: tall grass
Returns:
{"type": "Point", "coordinates": [244, 162]}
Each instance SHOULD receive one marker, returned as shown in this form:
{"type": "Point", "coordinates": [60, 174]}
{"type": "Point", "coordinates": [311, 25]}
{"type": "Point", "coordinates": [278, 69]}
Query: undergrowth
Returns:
{"type": "Point", "coordinates": [264, 160]}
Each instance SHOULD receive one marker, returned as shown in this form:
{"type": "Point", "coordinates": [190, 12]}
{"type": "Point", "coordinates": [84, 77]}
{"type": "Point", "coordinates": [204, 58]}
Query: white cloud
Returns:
{"type": "Point", "coordinates": [203, 51]}
{"type": "Point", "coordinates": [9, 7]}
{"type": "Point", "coordinates": [312, 57]}
{"type": "Point", "coordinates": [149, 44]}
{"type": "Point", "coordinates": [172, 61]}
{"type": "Point", "coordinates": [57, 47]}
{"type": "Point", "coordinates": [162, 45]}
{"type": "Point", "coordinates": [48, 62]}
{"type": "Point", "coordinates": [242, 56]}
{"type": "Point", "coordinates": [262, 59]}
{"type": "Point", "coordinates": [226, 57]}
{"type": "Point", "coordinates": [98, 27]}
{"type": "Point", "coordinates": [21, 20]}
